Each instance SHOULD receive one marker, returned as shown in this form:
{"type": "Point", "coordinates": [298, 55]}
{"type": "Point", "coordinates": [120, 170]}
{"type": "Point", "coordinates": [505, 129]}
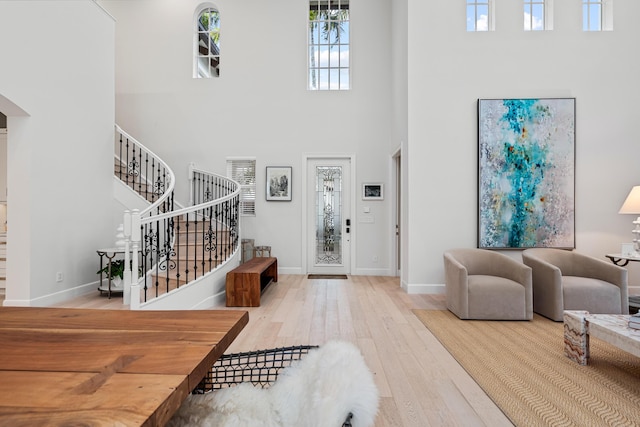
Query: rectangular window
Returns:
{"type": "Point", "coordinates": [328, 45]}
{"type": "Point", "coordinates": [243, 170]}
{"type": "Point", "coordinates": [480, 15]}
{"type": "Point", "coordinates": [534, 15]}
{"type": "Point", "coordinates": [597, 15]}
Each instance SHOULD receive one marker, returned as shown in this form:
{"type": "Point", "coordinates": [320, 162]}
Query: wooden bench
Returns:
{"type": "Point", "coordinates": [246, 282]}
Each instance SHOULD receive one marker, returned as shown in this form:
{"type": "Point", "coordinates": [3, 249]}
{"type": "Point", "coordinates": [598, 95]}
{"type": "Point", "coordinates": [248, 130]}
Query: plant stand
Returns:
{"type": "Point", "coordinates": [109, 287]}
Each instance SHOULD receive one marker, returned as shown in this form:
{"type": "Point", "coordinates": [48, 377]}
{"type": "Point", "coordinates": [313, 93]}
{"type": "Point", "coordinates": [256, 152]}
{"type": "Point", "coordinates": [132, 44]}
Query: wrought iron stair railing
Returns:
{"type": "Point", "coordinates": [144, 172]}
{"type": "Point", "coordinates": [174, 246]}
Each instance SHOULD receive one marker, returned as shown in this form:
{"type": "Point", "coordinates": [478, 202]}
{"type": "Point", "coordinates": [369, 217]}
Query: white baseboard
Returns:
{"type": "Point", "coordinates": [372, 272]}
{"type": "Point", "coordinates": [423, 288]}
{"type": "Point", "coordinates": [356, 272]}
{"type": "Point", "coordinates": [219, 300]}
{"type": "Point", "coordinates": [55, 298]}
{"type": "Point", "coordinates": [289, 270]}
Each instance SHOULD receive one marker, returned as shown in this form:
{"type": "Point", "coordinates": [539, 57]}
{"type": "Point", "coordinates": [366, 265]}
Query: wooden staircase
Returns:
{"type": "Point", "coordinates": [196, 252]}
{"type": "Point", "coordinates": [135, 182]}
{"type": "Point", "coordinates": [193, 255]}
{"type": "Point", "coordinates": [174, 251]}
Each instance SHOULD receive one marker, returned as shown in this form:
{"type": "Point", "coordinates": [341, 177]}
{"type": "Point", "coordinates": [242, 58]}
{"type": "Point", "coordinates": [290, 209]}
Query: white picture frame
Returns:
{"type": "Point", "coordinates": [372, 191]}
{"type": "Point", "coordinates": [278, 184]}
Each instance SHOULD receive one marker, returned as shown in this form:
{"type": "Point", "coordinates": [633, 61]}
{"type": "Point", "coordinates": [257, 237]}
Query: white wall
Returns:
{"type": "Point", "coordinates": [421, 97]}
{"type": "Point", "coordinates": [57, 89]}
{"type": "Point", "coordinates": [449, 69]}
{"type": "Point", "coordinates": [399, 81]}
{"type": "Point", "coordinates": [259, 107]}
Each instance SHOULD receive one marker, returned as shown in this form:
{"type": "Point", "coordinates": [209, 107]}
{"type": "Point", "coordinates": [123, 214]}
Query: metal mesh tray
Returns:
{"type": "Point", "coordinates": [260, 367]}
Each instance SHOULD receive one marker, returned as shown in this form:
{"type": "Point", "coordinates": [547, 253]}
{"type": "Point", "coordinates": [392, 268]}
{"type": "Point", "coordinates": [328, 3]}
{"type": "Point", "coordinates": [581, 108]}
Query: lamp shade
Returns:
{"type": "Point", "coordinates": [632, 203]}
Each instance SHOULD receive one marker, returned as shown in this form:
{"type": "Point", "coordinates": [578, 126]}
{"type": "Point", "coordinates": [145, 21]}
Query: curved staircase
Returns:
{"type": "Point", "coordinates": [178, 248]}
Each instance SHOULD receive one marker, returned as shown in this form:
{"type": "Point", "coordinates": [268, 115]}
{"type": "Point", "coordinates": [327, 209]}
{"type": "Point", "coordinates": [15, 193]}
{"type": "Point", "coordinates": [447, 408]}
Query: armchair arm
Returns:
{"type": "Point", "coordinates": [596, 268]}
{"type": "Point", "coordinates": [457, 285]}
{"type": "Point", "coordinates": [455, 272]}
{"type": "Point", "coordinates": [588, 266]}
{"type": "Point", "coordinates": [522, 274]}
{"type": "Point", "coordinates": [547, 286]}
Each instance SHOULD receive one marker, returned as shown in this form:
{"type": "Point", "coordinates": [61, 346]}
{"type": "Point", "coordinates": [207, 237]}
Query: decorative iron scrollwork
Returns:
{"type": "Point", "coordinates": [158, 187]}
{"type": "Point", "coordinates": [133, 168]}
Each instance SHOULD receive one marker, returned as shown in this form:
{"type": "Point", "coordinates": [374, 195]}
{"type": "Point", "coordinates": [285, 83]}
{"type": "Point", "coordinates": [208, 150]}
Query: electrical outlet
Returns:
{"type": "Point", "coordinates": [59, 276]}
{"type": "Point", "coordinates": [375, 258]}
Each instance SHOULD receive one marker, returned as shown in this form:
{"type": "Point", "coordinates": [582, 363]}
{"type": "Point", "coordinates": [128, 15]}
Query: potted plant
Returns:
{"type": "Point", "coordinates": [117, 272]}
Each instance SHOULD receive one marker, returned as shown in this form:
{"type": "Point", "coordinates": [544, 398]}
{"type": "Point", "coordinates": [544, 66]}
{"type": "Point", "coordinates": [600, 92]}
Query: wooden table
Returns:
{"type": "Point", "coordinates": [61, 366]}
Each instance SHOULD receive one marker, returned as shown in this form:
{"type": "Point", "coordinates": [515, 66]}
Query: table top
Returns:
{"type": "Point", "coordinates": [254, 262]}
{"type": "Point", "coordinates": [63, 366]}
{"type": "Point", "coordinates": [620, 256]}
{"type": "Point", "coordinates": [612, 328]}
{"type": "Point", "coordinates": [621, 260]}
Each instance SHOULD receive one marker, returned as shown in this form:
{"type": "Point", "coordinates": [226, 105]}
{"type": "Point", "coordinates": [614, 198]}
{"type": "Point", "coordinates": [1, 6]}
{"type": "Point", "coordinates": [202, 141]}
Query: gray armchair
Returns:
{"type": "Point", "coordinates": [569, 280]}
{"type": "Point", "coordinates": [482, 284]}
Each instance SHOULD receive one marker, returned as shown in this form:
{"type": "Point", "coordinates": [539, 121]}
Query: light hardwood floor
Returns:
{"type": "Point", "coordinates": [419, 382]}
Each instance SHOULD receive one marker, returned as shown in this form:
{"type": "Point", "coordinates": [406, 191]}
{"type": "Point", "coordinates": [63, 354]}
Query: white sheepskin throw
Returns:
{"type": "Point", "coordinates": [320, 390]}
{"type": "Point", "coordinates": [241, 406]}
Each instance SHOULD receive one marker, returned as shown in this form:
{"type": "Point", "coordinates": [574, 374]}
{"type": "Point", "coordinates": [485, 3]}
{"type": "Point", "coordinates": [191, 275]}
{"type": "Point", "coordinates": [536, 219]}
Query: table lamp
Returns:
{"type": "Point", "coordinates": [632, 206]}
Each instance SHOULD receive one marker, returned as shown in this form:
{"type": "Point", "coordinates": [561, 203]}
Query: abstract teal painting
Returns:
{"type": "Point", "coordinates": [526, 169]}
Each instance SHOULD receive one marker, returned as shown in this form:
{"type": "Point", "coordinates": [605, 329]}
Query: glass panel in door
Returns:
{"type": "Point", "coordinates": [328, 213]}
{"type": "Point", "coordinates": [328, 235]}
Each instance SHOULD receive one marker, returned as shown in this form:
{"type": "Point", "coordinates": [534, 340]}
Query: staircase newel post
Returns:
{"type": "Point", "coordinates": [127, 257]}
{"type": "Point", "coordinates": [135, 240]}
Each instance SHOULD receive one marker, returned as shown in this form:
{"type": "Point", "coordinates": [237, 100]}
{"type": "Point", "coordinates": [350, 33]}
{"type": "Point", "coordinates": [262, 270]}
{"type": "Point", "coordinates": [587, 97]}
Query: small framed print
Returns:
{"type": "Point", "coordinates": [628, 250]}
{"type": "Point", "coordinates": [279, 183]}
{"type": "Point", "coordinates": [372, 191]}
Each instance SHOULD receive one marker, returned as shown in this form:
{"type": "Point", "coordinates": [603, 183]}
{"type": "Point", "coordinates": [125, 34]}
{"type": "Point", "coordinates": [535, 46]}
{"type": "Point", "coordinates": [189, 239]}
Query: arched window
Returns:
{"type": "Point", "coordinates": [207, 43]}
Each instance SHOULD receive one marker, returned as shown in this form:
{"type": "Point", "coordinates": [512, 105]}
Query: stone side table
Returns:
{"type": "Point", "coordinates": [580, 326]}
{"type": "Point", "coordinates": [576, 338]}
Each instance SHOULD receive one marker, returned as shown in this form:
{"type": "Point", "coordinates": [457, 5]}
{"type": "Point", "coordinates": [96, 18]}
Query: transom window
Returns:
{"type": "Point", "coordinates": [328, 41]}
{"type": "Point", "coordinates": [534, 15]}
{"type": "Point", "coordinates": [207, 44]}
{"type": "Point", "coordinates": [480, 15]}
{"type": "Point", "coordinates": [597, 15]}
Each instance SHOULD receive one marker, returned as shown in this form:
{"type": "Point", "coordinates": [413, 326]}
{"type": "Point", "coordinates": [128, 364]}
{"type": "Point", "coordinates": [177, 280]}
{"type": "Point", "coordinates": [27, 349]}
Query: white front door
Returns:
{"type": "Point", "coordinates": [329, 224]}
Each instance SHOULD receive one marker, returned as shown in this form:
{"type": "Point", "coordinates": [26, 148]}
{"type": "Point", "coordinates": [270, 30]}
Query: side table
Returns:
{"type": "Point", "coordinates": [623, 260]}
{"type": "Point", "coordinates": [110, 287]}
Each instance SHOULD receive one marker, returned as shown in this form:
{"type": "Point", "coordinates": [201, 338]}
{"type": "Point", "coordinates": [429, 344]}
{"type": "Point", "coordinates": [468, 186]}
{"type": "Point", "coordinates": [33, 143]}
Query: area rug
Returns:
{"type": "Point", "coordinates": [522, 367]}
{"type": "Point", "coordinates": [327, 276]}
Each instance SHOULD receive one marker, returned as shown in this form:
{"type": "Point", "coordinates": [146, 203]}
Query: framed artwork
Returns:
{"type": "Point", "coordinates": [279, 183]}
{"type": "Point", "coordinates": [372, 191]}
{"type": "Point", "coordinates": [526, 173]}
